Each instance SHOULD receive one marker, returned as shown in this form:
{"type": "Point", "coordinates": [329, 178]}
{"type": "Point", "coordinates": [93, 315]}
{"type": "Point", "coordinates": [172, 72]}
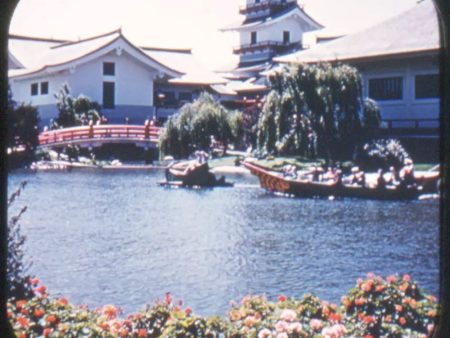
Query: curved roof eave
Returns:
{"type": "Point", "coordinates": [169, 70]}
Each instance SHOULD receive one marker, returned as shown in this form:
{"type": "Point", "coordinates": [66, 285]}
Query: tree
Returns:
{"type": "Point", "coordinates": [195, 124]}
{"type": "Point", "coordinates": [23, 129]}
{"type": "Point", "coordinates": [75, 111]}
{"type": "Point", "coordinates": [315, 110]}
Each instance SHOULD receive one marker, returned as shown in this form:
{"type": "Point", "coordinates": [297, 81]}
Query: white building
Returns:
{"type": "Point", "coordinates": [129, 82]}
{"type": "Point", "coordinates": [399, 62]}
{"type": "Point", "coordinates": [270, 28]}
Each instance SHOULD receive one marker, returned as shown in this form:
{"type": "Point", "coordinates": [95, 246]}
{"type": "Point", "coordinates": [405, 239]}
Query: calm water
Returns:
{"type": "Point", "coordinates": [101, 237]}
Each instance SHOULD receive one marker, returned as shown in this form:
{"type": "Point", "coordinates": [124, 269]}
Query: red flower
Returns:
{"type": "Point", "coordinates": [51, 319]}
{"type": "Point", "coordinates": [142, 333]}
{"type": "Point", "coordinates": [368, 336]}
{"type": "Point", "coordinates": [123, 332]}
{"type": "Point", "coordinates": [380, 288]}
{"type": "Point", "coordinates": [39, 313]}
{"type": "Point", "coordinates": [47, 331]}
{"type": "Point", "coordinates": [188, 311]}
{"type": "Point", "coordinates": [22, 321]}
{"type": "Point", "coordinates": [335, 316]}
{"type": "Point", "coordinates": [41, 289]}
{"type": "Point", "coordinates": [24, 311]}
{"type": "Point", "coordinates": [9, 314]}
{"type": "Point", "coordinates": [369, 319]}
{"type": "Point", "coordinates": [63, 301]}
{"type": "Point", "coordinates": [402, 321]}
{"type": "Point", "coordinates": [34, 281]}
{"type": "Point", "coordinates": [20, 304]}
{"type": "Point", "coordinates": [110, 311]}
{"type": "Point", "coordinates": [282, 298]}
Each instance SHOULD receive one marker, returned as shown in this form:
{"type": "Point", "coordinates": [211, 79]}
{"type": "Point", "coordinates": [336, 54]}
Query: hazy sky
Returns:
{"type": "Point", "coordinates": [181, 23]}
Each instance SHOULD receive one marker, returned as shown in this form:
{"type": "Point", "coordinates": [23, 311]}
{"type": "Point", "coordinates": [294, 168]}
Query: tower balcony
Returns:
{"type": "Point", "coordinates": [263, 5]}
{"type": "Point", "coordinates": [278, 47]}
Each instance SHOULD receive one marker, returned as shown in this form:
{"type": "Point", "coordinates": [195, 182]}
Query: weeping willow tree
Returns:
{"type": "Point", "coordinates": [315, 110]}
{"type": "Point", "coordinates": [195, 123]}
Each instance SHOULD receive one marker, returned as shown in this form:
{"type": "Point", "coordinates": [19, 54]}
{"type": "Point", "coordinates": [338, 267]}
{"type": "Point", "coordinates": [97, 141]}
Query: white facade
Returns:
{"type": "Point", "coordinates": [125, 92]}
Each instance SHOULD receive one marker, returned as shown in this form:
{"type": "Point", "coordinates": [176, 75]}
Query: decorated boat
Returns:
{"type": "Point", "coordinates": [192, 174]}
{"type": "Point", "coordinates": [276, 182]}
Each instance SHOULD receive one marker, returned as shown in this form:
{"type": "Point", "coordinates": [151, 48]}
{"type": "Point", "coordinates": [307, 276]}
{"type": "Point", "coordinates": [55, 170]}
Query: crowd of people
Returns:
{"type": "Point", "coordinates": [403, 178]}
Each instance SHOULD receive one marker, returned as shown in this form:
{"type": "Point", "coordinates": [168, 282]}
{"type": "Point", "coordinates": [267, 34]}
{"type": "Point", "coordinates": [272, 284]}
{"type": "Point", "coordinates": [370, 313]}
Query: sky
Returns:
{"type": "Point", "coordinates": [181, 23]}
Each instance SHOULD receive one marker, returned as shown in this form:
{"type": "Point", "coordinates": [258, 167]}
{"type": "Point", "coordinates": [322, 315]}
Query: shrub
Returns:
{"type": "Point", "coordinates": [382, 153]}
{"type": "Point", "coordinates": [375, 307]}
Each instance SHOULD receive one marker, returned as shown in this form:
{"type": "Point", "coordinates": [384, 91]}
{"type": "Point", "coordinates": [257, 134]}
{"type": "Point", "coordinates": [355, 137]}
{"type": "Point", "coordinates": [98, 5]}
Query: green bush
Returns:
{"type": "Point", "coordinates": [194, 125]}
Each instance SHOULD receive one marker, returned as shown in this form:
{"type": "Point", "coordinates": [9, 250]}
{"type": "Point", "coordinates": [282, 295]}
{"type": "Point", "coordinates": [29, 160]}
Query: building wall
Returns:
{"type": "Point", "coordinates": [409, 107]}
{"type": "Point", "coordinates": [274, 32]}
{"type": "Point", "coordinates": [133, 87]}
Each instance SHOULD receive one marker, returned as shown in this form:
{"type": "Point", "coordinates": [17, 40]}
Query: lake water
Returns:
{"type": "Point", "coordinates": [101, 237]}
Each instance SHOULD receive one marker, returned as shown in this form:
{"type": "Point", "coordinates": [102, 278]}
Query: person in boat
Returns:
{"type": "Point", "coordinates": [358, 177]}
{"type": "Point", "coordinates": [330, 174]}
{"type": "Point", "coordinates": [290, 170]}
{"type": "Point", "coordinates": [407, 178]}
{"type": "Point", "coordinates": [394, 177]}
{"type": "Point", "coordinates": [339, 177]}
{"type": "Point", "coordinates": [381, 182]}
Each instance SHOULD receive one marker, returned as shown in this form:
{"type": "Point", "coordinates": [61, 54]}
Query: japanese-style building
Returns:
{"type": "Point", "coordinates": [270, 28]}
{"type": "Point", "coordinates": [131, 83]}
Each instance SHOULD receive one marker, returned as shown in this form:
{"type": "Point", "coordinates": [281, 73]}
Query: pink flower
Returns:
{"type": "Point", "coordinates": [249, 321]}
{"type": "Point", "coordinates": [188, 311]}
{"type": "Point", "coordinates": [391, 279]}
{"type": "Point", "coordinates": [430, 329]}
{"type": "Point", "coordinates": [282, 335]}
{"type": "Point", "coordinates": [295, 327]}
{"type": "Point", "coordinates": [316, 324]}
{"type": "Point", "coordinates": [406, 278]}
{"type": "Point", "coordinates": [335, 331]}
{"type": "Point", "coordinates": [265, 333]}
{"type": "Point", "coordinates": [370, 275]}
{"type": "Point", "coordinates": [168, 298]}
{"type": "Point", "coordinates": [281, 326]}
{"type": "Point", "coordinates": [288, 315]}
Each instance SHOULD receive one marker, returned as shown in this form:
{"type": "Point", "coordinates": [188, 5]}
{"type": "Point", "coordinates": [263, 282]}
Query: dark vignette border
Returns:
{"type": "Point", "coordinates": [6, 11]}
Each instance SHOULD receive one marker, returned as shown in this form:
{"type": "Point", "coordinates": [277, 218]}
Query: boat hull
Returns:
{"type": "Point", "coordinates": [275, 182]}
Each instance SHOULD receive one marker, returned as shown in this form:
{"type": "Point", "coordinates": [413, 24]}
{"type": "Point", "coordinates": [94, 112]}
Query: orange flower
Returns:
{"type": "Point", "coordinates": [142, 333]}
{"type": "Point", "coordinates": [63, 301]}
{"type": "Point", "coordinates": [39, 313]}
{"type": "Point", "coordinates": [432, 313]}
{"type": "Point", "coordinates": [22, 335]}
{"type": "Point", "coordinates": [104, 326]}
{"type": "Point", "coordinates": [402, 321]}
{"type": "Point", "coordinates": [110, 311]}
{"type": "Point", "coordinates": [380, 288]}
{"type": "Point", "coordinates": [22, 321]}
{"type": "Point", "coordinates": [368, 336]}
{"type": "Point", "coordinates": [347, 302]}
{"type": "Point", "coordinates": [51, 319]}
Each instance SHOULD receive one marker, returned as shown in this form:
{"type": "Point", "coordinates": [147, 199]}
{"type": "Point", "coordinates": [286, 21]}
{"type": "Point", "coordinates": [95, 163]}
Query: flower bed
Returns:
{"type": "Point", "coordinates": [375, 307]}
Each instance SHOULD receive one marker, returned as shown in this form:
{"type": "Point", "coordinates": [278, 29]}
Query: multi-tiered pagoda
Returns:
{"type": "Point", "coordinates": [270, 28]}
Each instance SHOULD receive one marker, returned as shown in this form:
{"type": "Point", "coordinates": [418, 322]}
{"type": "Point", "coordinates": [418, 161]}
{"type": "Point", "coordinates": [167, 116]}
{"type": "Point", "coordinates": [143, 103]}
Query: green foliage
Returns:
{"type": "Point", "coordinates": [194, 125]}
{"type": "Point", "coordinates": [17, 278]}
{"type": "Point", "coordinates": [75, 111]}
{"type": "Point", "coordinates": [22, 137]}
{"type": "Point", "coordinates": [315, 110]}
{"type": "Point", "coordinates": [383, 153]}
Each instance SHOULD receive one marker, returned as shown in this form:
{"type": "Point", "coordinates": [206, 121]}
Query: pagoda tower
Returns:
{"type": "Point", "coordinates": [270, 28]}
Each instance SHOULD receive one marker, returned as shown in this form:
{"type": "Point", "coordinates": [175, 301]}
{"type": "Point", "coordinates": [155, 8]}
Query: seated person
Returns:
{"type": "Point", "coordinates": [381, 182]}
{"type": "Point", "coordinates": [407, 177]}
{"type": "Point", "coordinates": [290, 170]}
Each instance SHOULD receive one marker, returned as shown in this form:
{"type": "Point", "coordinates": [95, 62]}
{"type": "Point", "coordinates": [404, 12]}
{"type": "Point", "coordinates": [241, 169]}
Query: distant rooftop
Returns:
{"type": "Point", "coordinates": [413, 31]}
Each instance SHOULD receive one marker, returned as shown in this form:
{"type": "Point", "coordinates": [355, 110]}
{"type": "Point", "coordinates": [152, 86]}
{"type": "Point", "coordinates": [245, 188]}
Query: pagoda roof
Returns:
{"type": "Point", "coordinates": [414, 31]}
{"type": "Point", "coordinates": [289, 11]}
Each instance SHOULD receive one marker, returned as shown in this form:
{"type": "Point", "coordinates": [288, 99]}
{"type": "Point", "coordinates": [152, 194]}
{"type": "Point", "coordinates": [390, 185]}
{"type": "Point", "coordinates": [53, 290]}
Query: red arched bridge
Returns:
{"type": "Point", "coordinates": [145, 136]}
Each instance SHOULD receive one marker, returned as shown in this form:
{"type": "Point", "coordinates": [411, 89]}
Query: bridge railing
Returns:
{"type": "Point", "coordinates": [96, 132]}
